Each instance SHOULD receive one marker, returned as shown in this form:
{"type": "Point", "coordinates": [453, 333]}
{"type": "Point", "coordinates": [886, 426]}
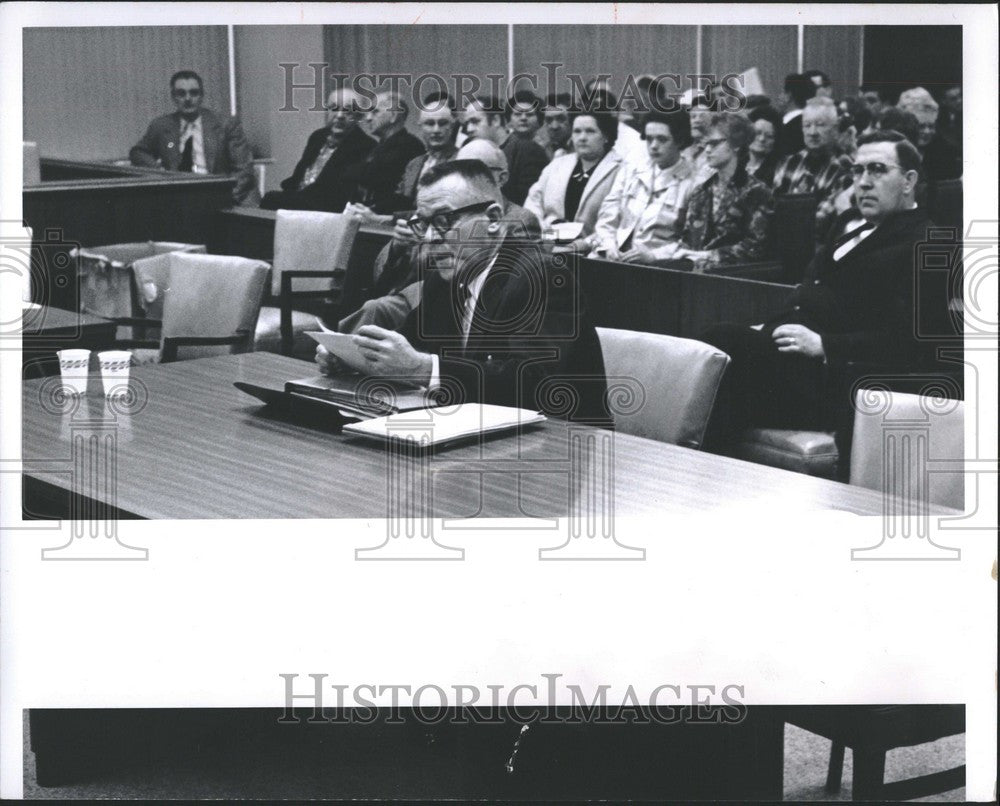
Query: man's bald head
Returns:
{"type": "Point", "coordinates": [488, 153]}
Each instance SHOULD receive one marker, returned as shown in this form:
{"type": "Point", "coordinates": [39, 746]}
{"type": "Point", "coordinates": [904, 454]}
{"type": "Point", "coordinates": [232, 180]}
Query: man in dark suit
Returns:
{"type": "Point", "coordinates": [857, 304]}
{"type": "Point", "coordinates": [397, 286]}
{"type": "Point", "coordinates": [327, 175]}
{"type": "Point", "coordinates": [383, 171]}
{"type": "Point", "coordinates": [197, 140]}
{"type": "Point", "coordinates": [798, 89]}
{"type": "Point", "coordinates": [498, 321]}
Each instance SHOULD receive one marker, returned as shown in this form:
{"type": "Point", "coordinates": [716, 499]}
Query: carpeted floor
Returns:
{"type": "Point", "coordinates": [191, 777]}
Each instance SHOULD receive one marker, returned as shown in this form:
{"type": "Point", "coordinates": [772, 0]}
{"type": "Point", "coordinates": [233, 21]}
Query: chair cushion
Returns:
{"type": "Point", "coordinates": [267, 337]}
{"type": "Point", "coordinates": [810, 452]}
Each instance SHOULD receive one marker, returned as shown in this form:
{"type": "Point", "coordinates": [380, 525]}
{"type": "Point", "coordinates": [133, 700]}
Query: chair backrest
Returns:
{"type": "Point", "coordinates": [666, 385]}
{"type": "Point", "coordinates": [212, 295]}
{"type": "Point", "coordinates": [306, 240]}
{"type": "Point", "coordinates": [910, 446]}
{"type": "Point", "coordinates": [793, 232]}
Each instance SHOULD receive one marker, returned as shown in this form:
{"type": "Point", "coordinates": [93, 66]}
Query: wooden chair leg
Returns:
{"type": "Point", "coordinates": [836, 770]}
{"type": "Point", "coordinates": [869, 773]}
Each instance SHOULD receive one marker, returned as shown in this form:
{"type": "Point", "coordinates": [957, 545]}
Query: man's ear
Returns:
{"type": "Point", "coordinates": [503, 177]}
{"type": "Point", "coordinates": [912, 177]}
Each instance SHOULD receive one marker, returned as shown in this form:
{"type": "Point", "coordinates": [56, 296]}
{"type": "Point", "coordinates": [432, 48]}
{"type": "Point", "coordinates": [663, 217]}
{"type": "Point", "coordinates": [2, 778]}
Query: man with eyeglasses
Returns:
{"type": "Point", "coordinates": [498, 320]}
{"type": "Point", "coordinates": [821, 168]}
{"type": "Point", "coordinates": [193, 139]}
{"type": "Point", "coordinates": [327, 175]}
{"type": "Point", "coordinates": [857, 304]}
{"type": "Point", "coordinates": [397, 285]}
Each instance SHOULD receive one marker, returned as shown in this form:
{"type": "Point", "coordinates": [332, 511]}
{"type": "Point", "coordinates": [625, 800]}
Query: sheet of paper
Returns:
{"type": "Point", "coordinates": [341, 345]}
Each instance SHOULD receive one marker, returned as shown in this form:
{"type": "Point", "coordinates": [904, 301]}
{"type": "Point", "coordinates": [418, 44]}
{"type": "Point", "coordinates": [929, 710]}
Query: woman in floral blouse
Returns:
{"type": "Point", "coordinates": [729, 214]}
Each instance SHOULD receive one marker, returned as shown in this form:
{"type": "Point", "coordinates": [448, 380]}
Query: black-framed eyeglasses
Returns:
{"type": "Point", "coordinates": [182, 93]}
{"type": "Point", "coordinates": [876, 170]}
{"type": "Point", "coordinates": [715, 142]}
{"type": "Point", "coordinates": [444, 220]}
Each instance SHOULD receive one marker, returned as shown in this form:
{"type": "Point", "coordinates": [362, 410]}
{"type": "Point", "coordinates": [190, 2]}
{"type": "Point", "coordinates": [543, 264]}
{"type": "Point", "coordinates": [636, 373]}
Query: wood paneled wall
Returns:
{"type": "Point", "coordinates": [90, 93]}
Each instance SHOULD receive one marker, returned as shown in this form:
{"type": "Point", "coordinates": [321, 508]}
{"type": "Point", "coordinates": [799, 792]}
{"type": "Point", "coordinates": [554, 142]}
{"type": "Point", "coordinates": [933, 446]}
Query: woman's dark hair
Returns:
{"type": "Point", "coordinates": [772, 116]}
{"type": "Point", "coordinates": [678, 121]}
{"type": "Point", "coordinates": [607, 122]}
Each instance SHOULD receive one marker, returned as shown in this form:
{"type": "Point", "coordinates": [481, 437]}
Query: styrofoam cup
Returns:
{"type": "Point", "coordinates": [74, 367]}
{"type": "Point", "coordinates": [114, 371]}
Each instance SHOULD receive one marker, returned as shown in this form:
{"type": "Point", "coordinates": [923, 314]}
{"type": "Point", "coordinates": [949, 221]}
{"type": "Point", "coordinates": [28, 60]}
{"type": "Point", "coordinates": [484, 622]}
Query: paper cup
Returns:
{"type": "Point", "coordinates": [114, 371]}
{"type": "Point", "coordinates": [74, 367]}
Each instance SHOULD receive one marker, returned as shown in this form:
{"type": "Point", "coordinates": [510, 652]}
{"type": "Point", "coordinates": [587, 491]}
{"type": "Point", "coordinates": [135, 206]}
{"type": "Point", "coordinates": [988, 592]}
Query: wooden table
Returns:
{"type": "Point", "coordinates": [46, 330]}
{"type": "Point", "coordinates": [196, 447]}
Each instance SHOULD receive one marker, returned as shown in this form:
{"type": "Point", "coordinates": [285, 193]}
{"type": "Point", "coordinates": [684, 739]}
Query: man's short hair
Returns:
{"type": "Point", "coordinates": [917, 100]}
{"type": "Point", "coordinates": [473, 171]}
{"type": "Point", "coordinates": [906, 152]}
{"type": "Point", "coordinates": [528, 98]}
{"type": "Point", "coordinates": [558, 99]}
{"type": "Point", "coordinates": [800, 88]}
{"type": "Point", "coordinates": [824, 79]}
{"type": "Point", "coordinates": [491, 106]}
{"type": "Point", "coordinates": [703, 102]}
{"type": "Point", "coordinates": [396, 102]}
{"type": "Point", "coordinates": [607, 122]}
{"type": "Point", "coordinates": [436, 100]}
{"type": "Point", "coordinates": [182, 74]}
{"type": "Point", "coordinates": [896, 119]}
{"type": "Point", "coordinates": [678, 122]}
{"type": "Point", "coordinates": [824, 105]}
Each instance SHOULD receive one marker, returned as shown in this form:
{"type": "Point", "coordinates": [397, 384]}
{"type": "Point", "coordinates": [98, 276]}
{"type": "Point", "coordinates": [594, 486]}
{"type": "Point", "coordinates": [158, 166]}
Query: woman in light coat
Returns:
{"type": "Point", "coordinates": [644, 212]}
{"type": "Point", "coordinates": [572, 187]}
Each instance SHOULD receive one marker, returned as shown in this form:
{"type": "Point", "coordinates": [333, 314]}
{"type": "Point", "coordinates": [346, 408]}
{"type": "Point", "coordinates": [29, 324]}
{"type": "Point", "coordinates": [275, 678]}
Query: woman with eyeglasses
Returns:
{"type": "Point", "coordinates": [729, 214]}
{"type": "Point", "coordinates": [765, 148]}
{"type": "Point", "coordinates": [572, 187]}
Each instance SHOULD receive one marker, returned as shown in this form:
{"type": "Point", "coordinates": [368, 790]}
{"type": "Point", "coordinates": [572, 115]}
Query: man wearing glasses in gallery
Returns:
{"type": "Point", "coordinates": [499, 321]}
{"type": "Point", "coordinates": [856, 304]}
{"type": "Point", "coordinates": [197, 140]}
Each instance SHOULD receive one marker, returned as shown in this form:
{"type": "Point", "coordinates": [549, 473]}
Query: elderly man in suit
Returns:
{"type": "Point", "coordinates": [498, 321]}
{"type": "Point", "coordinates": [198, 140]}
{"type": "Point", "coordinates": [386, 164]}
{"type": "Point", "coordinates": [856, 304]}
{"type": "Point", "coordinates": [327, 175]}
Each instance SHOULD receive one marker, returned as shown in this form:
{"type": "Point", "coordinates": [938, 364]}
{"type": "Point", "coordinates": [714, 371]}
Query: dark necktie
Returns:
{"type": "Point", "coordinates": [187, 155]}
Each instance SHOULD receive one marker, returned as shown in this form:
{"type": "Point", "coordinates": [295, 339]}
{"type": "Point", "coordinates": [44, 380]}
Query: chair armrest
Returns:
{"type": "Point", "coordinates": [171, 343]}
{"type": "Point", "coordinates": [287, 295]}
{"type": "Point", "coordinates": [942, 378]}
